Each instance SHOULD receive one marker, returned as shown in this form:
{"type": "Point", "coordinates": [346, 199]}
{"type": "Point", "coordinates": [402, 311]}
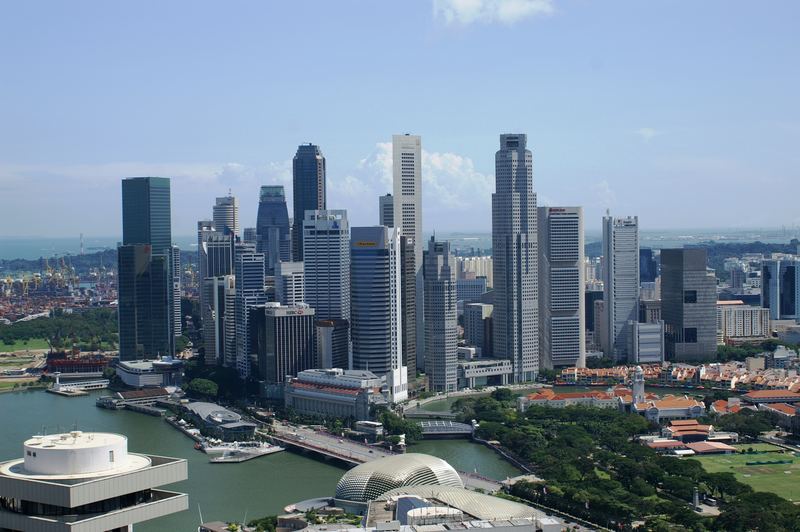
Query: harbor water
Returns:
{"type": "Point", "coordinates": [251, 489]}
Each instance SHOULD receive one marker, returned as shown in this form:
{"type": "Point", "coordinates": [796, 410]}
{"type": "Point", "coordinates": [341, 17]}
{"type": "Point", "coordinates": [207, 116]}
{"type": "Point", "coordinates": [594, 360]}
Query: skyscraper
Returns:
{"type": "Point", "coordinates": [146, 289]}
{"type": "Point", "coordinates": [562, 326]}
{"type": "Point", "coordinates": [289, 283]}
{"type": "Point", "coordinates": [688, 304]}
{"type": "Point", "coordinates": [219, 327]}
{"type": "Point", "coordinates": [283, 338]}
{"type": "Point", "coordinates": [146, 214]}
{"type": "Point", "coordinates": [407, 214]}
{"type": "Point", "coordinates": [176, 281]}
{"type": "Point", "coordinates": [376, 323]}
{"type": "Point", "coordinates": [648, 268]}
{"type": "Point", "coordinates": [250, 235]}
{"type": "Point", "coordinates": [780, 288]}
{"type": "Point", "coordinates": [620, 282]}
{"type": "Point", "coordinates": [326, 254]}
{"type": "Point", "coordinates": [144, 303]}
{"type": "Point", "coordinates": [386, 210]}
{"type": "Point", "coordinates": [441, 321]}
{"type": "Point", "coordinates": [250, 292]}
{"type": "Point", "coordinates": [272, 226]}
{"type": "Point", "coordinates": [226, 215]}
{"type": "Point", "coordinates": [308, 179]}
{"type": "Point", "coordinates": [326, 258]}
{"type": "Point", "coordinates": [514, 242]}
{"type": "Point", "coordinates": [408, 302]}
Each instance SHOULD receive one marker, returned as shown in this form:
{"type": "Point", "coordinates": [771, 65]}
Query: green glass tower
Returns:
{"type": "Point", "coordinates": [147, 294]}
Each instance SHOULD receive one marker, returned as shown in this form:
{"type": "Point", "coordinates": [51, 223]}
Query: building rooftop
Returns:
{"type": "Point", "coordinates": [702, 447]}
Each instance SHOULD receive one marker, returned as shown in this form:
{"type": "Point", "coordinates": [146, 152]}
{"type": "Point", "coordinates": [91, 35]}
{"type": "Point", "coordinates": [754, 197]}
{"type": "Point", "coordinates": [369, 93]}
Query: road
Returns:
{"type": "Point", "coordinates": [359, 452]}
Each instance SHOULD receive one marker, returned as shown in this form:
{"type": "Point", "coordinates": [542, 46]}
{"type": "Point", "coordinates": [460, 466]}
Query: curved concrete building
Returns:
{"type": "Point", "coordinates": [369, 481]}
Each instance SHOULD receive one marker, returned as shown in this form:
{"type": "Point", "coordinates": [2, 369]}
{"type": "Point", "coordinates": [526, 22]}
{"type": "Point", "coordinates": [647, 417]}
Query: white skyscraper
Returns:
{"type": "Point", "coordinates": [620, 281]}
{"type": "Point", "coordinates": [289, 283]}
{"type": "Point", "coordinates": [515, 260]}
{"type": "Point", "coordinates": [226, 215]}
{"type": "Point", "coordinates": [326, 256]}
{"type": "Point", "coordinates": [561, 287]}
{"type": "Point", "coordinates": [441, 320]}
{"type": "Point", "coordinates": [376, 325]}
{"type": "Point", "coordinates": [407, 215]}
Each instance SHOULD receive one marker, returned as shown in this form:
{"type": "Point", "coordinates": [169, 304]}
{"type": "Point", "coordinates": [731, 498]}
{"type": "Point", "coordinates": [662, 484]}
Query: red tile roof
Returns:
{"type": "Point", "coordinates": [702, 447]}
{"type": "Point", "coordinates": [782, 408]}
{"type": "Point", "coordinates": [772, 394]}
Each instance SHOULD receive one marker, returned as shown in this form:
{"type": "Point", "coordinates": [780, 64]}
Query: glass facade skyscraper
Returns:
{"type": "Point", "coordinates": [147, 291]}
{"type": "Point", "coordinates": [272, 227]}
{"type": "Point", "coordinates": [308, 173]}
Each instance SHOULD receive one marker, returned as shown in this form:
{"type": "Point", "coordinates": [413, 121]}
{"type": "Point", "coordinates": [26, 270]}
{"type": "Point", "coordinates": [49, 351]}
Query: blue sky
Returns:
{"type": "Point", "coordinates": [684, 113]}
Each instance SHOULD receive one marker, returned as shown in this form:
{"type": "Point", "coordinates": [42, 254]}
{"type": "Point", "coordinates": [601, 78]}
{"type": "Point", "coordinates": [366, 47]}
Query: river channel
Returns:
{"type": "Point", "coordinates": [221, 491]}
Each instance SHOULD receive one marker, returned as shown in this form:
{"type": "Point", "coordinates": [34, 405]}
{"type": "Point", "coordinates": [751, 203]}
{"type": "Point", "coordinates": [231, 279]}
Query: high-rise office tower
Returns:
{"type": "Point", "coordinates": [283, 338]}
{"type": "Point", "coordinates": [176, 273]}
{"type": "Point", "coordinates": [376, 321]}
{"type": "Point", "coordinates": [272, 226]}
{"type": "Point", "coordinates": [204, 229]}
{"type": "Point", "coordinates": [408, 302]}
{"type": "Point", "coordinates": [386, 210]}
{"type": "Point", "coordinates": [144, 303]}
{"type": "Point", "coordinates": [146, 214]}
{"type": "Point", "coordinates": [780, 288]}
{"type": "Point", "coordinates": [219, 326]}
{"type": "Point", "coordinates": [688, 304]}
{"type": "Point", "coordinates": [326, 258]}
{"type": "Point", "coordinates": [308, 179]}
{"type": "Point", "coordinates": [250, 292]}
{"type": "Point", "coordinates": [620, 282]}
{"type": "Point", "coordinates": [214, 254]}
{"type": "Point", "coordinates": [407, 215]}
{"type": "Point", "coordinates": [249, 235]}
{"type": "Point", "coordinates": [146, 312]}
{"type": "Point", "coordinates": [289, 283]}
{"type": "Point", "coordinates": [441, 320]}
{"type": "Point", "coordinates": [648, 267]}
{"type": "Point", "coordinates": [333, 344]}
{"type": "Point", "coordinates": [562, 324]}
{"type": "Point", "coordinates": [514, 242]}
{"type": "Point", "coordinates": [226, 215]}
{"type": "Point", "coordinates": [478, 326]}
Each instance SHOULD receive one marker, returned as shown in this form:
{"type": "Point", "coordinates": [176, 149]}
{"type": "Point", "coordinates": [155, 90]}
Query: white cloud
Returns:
{"type": "Point", "coordinates": [648, 133]}
{"type": "Point", "coordinates": [466, 12]}
{"type": "Point", "coordinates": [603, 196]}
{"type": "Point", "coordinates": [455, 195]}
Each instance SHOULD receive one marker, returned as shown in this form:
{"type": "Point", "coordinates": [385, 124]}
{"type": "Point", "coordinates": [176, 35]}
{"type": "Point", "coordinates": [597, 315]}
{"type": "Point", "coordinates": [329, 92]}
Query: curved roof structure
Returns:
{"type": "Point", "coordinates": [478, 505]}
{"type": "Point", "coordinates": [369, 481]}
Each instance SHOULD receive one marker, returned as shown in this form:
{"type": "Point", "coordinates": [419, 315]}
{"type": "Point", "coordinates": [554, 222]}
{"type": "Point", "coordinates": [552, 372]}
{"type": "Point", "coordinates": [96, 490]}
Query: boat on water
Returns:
{"type": "Point", "coordinates": [243, 451]}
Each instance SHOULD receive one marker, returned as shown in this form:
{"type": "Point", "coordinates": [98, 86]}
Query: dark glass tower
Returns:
{"type": "Point", "coordinates": [146, 215]}
{"type": "Point", "coordinates": [272, 227]}
{"type": "Point", "coordinates": [146, 292]}
{"type": "Point", "coordinates": [308, 171]}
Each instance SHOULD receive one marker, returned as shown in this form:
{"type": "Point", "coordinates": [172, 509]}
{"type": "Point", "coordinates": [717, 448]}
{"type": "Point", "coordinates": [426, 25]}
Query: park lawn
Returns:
{"type": "Point", "coordinates": [9, 384]}
{"type": "Point", "coordinates": [773, 478]}
{"type": "Point", "coordinates": [22, 345]}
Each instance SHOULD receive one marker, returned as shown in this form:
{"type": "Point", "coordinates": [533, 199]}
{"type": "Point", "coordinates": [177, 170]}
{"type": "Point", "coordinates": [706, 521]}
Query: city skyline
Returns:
{"type": "Point", "coordinates": [615, 107]}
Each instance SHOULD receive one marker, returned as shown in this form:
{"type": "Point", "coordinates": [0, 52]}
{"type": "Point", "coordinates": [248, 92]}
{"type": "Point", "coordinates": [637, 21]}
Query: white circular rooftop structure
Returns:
{"type": "Point", "coordinates": [369, 481]}
{"type": "Point", "coordinates": [75, 454]}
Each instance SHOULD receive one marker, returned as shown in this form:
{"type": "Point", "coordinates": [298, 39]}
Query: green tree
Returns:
{"type": "Point", "coordinates": [203, 387]}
